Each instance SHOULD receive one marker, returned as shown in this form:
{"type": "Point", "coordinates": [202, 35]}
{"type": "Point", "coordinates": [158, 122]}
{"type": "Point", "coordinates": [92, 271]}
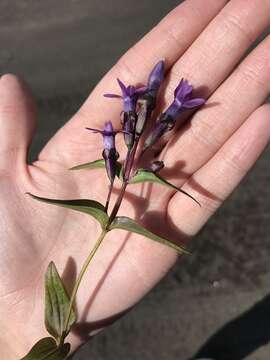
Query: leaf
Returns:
{"type": "Point", "coordinates": [46, 349]}
{"type": "Point", "coordinates": [56, 304]}
{"type": "Point", "coordinates": [148, 176]}
{"type": "Point", "coordinates": [97, 164]}
{"type": "Point", "coordinates": [90, 207]}
{"type": "Point", "coordinates": [125, 223]}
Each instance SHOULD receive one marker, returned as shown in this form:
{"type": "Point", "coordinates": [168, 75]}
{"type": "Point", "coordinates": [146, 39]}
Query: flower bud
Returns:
{"type": "Point", "coordinates": [154, 81]}
{"type": "Point", "coordinates": [142, 115]}
{"type": "Point", "coordinates": [160, 128]}
{"type": "Point", "coordinates": [156, 166]}
{"type": "Point", "coordinates": [129, 123]}
{"type": "Point", "coordinates": [110, 157]}
{"type": "Point", "coordinates": [109, 153]}
{"type": "Point", "coordinates": [155, 78]}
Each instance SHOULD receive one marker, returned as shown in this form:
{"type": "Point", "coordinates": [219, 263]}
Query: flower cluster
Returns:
{"type": "Point", "coordinates": [138, 106]}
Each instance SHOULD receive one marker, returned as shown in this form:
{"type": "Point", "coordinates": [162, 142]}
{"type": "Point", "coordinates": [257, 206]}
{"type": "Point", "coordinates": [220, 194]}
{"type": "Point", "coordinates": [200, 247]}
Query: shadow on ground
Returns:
{"type": "Point", "coordinates": [241, 336]}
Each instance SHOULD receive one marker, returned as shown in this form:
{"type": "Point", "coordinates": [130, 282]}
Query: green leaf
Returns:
{"type": "Point", "coordinates": [97, 164]}
{"type": "Point", "coordinates": [148, 176]}
{"type": "Point", "coordinates": [90, 207]}
{"type": "Point", "coordinates": [46, 349]}
{"type": "Point", "coordinates": [125, 223]}
{"type": "Point", "coordinates": [56, 304]}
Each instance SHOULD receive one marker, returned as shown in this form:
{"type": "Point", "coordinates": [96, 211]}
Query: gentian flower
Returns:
{"type": "Point", "coordinates": [155, 78]}
{"type": "Point", "coordinates": [130, 96]}
{"type": "Point", "coordinates": [147, 102]}
{"type": "Point", "coordinates": [182, 101]}
{"type": "Point", "coordinates": [109, 153]}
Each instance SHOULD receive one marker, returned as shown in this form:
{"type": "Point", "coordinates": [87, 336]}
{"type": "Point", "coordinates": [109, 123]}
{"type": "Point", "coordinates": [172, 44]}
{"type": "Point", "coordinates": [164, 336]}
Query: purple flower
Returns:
{"type": "Point", "coordinates": [182, 100]}
{"type": "Point", "coordinates": [147, 102]}
{"type": "Point", "coordinates": [108, 135]}
{"type": "Point", "coordinates": [130, 96]}
{"type": "Point", "coordinates": [155, 78]}
{"type": "Point", "coordinates": [109, 153]}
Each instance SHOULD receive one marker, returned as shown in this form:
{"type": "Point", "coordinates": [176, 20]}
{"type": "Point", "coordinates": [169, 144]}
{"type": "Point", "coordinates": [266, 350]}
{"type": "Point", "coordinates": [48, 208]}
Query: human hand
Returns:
{"type": "Point", "coordinates": [216, 150]}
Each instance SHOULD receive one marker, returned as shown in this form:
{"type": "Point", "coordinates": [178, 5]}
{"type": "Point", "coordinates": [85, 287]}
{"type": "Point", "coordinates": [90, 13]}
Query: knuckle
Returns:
{"type": "Point", "coordinates": [170, 36]}
{"type": "Point", "coordinates": [254, 73]}
{"type": "Point", "coordinates": [210, 204]}
{"type": "Point", "coordinates": [204, 134]}
{"type": "Point", "coordinates": [236, 23]}
{"type": "Point", "coordinates": [234, 161]}
{"type": "Point", "coordinates": [124, 69]}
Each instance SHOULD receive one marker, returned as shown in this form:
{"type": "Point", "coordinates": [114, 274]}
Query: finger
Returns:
{"type": "Point", "coordinates": [169, 40]}
{"type": "Point", "coordinates": [222, 173]}
{"type": "Point", "coordinates": [219, 48]}
{"type": "Point", "coordinates": [243, 92]}
{"type": "Point", "coordinates": [17, 121]}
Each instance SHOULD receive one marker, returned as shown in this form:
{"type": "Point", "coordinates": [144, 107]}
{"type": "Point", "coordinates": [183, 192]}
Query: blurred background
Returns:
{"type": "Point", "coordinates": [215, 303]}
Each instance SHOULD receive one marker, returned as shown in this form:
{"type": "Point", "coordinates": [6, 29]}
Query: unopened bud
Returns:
{"type": "Point", "coordinates": [156, 166]}
{"type": "Point", "coordinates": [110, 157]}
{"type": "Point", "coordinates": [160, 128]}
{"type": "Point", "coordinates": [129, 124]}
{"type": "Point", "coordinates": [156, 77]}
{"type": "Point", "coordinates": [142, 115]}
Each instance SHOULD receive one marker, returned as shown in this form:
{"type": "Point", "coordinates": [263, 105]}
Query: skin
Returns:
{"type": "Point", "coordinates": [202, 41]}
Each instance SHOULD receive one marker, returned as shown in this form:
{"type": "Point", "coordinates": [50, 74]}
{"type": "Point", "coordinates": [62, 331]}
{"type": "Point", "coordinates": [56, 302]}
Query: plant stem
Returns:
{"type": "Point", "coordinates": [126, 175]}
{"type": "Point", "coordinates": [117, 204]}
{"type": "Point", "coordinates": [109, 196]}
{"type": "Point", "coordinates": [79, 279]}
{"type": "Point", "coordinates": [130, 160]}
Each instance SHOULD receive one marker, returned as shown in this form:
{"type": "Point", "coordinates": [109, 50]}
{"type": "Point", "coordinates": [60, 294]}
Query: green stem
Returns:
{"type": "Point", "coordinates": [127, 169]}
{"type": "Point", "coordinates": [79, 279]}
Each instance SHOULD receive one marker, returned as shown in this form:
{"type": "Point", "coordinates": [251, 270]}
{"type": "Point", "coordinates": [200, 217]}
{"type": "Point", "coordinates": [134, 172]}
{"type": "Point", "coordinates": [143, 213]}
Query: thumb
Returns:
{"type": "Point", "coordinates": [17, 120]}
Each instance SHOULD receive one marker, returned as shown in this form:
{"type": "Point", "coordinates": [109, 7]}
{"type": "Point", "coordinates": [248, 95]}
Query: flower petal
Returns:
{"type": "Point", "coordinates": [123, 88]}
{"type": "Point", "coordinates": [113, 96]}
{"type": "Point", "coordinates": [141, 90]}
{"type": "Point", "coordinates": [183, 89]}
{"type": "Point", "coordinates": [193, 103]}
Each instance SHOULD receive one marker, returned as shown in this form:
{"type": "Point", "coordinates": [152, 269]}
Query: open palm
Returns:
{"type": "Point", "coordinates": [202, 41]}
